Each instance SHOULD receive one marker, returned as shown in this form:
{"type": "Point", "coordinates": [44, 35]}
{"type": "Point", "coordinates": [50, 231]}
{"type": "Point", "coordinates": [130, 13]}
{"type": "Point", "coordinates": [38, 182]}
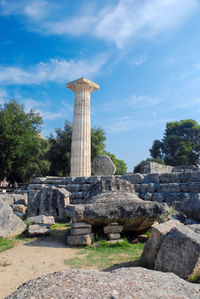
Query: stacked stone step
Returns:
{"type": "Point", "coordinates": [112, 231]}
{"type": "Point", "coordinates": [80, 234]}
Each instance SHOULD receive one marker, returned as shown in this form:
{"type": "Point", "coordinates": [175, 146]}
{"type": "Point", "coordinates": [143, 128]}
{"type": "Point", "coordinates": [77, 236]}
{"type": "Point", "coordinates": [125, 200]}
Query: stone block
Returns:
{"type": "Point", "coordinates": [113, 229]}
{"type": "Point", "coordinates": [38, 230]}
{"type": "Point", "coordinates": [81, 225]}
{"type": "Point", "coordinates": [80, 180]}
{"type": "Point", "coordinates": [151, 178]}
{"type": "Point", "coordinates": [81, 240]}
{"type": "Point", "coordinates": [153, 244]}
{"type": "Point", "coordinates": [80, 231]}
{"type": "Point", "coordinates": [84, 187]}
{"type": "Point", "coordinates": [112, 242]}
{"type": "Point", "coordinates": [169, 178]}
{"type": "Point", "coordinates": [41, 219]}
{"type": "Point", "coordinates": [112, 236]}
{"type": "Point", "coordinates": [73, 187]}
{"type": "Point", "coordinates": [169, 187]}
{"type": "Point", "coordinates": [92, 180]}
{"type": "Point", "coordinates": [135, 178]}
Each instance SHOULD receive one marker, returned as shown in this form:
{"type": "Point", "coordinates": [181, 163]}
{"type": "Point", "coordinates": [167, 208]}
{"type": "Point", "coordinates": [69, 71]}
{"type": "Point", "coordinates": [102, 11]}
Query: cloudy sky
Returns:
{"type": "Point", "coordinates": [144, 54]}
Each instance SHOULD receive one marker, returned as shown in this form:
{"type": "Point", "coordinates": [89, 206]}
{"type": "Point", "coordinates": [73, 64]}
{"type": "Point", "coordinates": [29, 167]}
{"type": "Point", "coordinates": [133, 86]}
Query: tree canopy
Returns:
{"type": "Point", "coordinates": [180, 144]}
{"type": "Point", "coordinates": [22, 150]}
{"type": "Point", "coordinates": [121, 167]}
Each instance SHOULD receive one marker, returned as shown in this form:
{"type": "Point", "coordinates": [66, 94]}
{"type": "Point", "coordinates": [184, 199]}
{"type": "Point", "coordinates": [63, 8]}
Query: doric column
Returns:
{"type": "Point", "coordinates": [81, 130]}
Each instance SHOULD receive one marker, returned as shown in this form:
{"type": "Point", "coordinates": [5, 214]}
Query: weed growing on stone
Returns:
{"type": "Point", "coordinates": [194, 278]}
{"type": "Point", "coordinates": [105, 256]}
{"type": "Point", "coordinates": [60, 225]}
{"type": "Point", "coordinates": [5, 244]}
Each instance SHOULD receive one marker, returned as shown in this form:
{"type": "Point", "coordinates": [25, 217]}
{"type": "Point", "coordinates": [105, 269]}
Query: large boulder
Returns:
{"type": "Point", "coordinates": [10, 224]}
{"type": "Point", "coordinates": [173, 247]}
{"type": "Point", "coordinates": [103, 165]}
{"type": "Point", "coordinates": [123, 283]}
{"type": "Point", "coordinates": [125, 208]}
{"type": "Point", "coordinates": [49, 201]}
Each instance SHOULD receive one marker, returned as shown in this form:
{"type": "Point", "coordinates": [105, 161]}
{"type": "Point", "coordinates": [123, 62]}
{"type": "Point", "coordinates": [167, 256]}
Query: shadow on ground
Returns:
{"type": "Point", "coordinates": [122, 265]}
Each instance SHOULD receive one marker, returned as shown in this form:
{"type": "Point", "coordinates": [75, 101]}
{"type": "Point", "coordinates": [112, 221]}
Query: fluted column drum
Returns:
{"type": "Point", "coordinates": [81, 130]}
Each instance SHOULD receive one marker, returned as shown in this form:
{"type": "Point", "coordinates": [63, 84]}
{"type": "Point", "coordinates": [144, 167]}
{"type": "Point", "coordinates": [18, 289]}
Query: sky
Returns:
{"type": "Point", "coordinates": [144, 54]}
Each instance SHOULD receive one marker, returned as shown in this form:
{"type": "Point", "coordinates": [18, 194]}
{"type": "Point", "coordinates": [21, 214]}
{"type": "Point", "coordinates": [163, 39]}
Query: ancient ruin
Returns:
{"type": "Point", "coordinates": [81, 131]}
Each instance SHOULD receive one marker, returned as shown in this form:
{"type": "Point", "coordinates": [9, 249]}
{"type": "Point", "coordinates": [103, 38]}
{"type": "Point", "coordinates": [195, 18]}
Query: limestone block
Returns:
{"type": "Point", "coordinates": [80, 231]}
{"type": "Point", "coordinates": [73, 187]}
{"type": "Point", "coordinates": [112, 242]}
{"type": "Point", "coordinates": [112, 236]}
{"type": "Point", "coordinates": [169, 178]}
{"type": "Point", "coordinates": [135, 178]}
{"type": "Point", "coordinates": [179, 252]}
{"type": "Point", "coordinates": [41, 219]}
{"type": "Point", "coordinates": [170, 187]}
{"type": "Point", "coordinates": [81, 225]}
{"type": "Point", "coordinates": [80, 180]}
{"type": "Point", "coordinates": [103, 165]}
{"type": "Point", "coordinates": [153, 244]}
{"type": "Point", "coordinates": [151, 178]}
{"type": "Point", "coordinates": [38, 230]}
{"type": "Point", "coordinates": [113, 229]}
{"type": "Point", "coordinates": [81, 240]}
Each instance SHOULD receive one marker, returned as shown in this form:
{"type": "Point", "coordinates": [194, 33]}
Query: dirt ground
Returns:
{"type": "Point", "coordinates": [30, 259]}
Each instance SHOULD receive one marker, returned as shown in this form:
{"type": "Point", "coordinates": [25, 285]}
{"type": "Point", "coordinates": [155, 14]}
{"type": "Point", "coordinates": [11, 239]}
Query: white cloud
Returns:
{"type": "Point", "coordinates": [121, 23]}
{"type": "Point", "coordinates": [132, 20]}
{"type": "Point", "coordinates": [55, 70]}
{"type": "Point", "coordinates": [142, 101]}
{"type": "Point", "coordinates": [137, 60]}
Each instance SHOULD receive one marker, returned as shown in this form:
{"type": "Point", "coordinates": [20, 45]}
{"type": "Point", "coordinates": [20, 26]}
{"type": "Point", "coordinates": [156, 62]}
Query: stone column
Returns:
{"type": "Point", "coordinates": [81, 130]}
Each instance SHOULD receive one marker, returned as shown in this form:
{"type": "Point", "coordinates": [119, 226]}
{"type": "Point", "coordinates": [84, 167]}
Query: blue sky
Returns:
{"type": "Point", "coordinates": [144, 54]}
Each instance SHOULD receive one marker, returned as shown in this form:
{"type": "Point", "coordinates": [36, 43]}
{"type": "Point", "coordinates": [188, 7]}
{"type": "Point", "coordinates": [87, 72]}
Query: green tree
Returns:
{"type": "Point", "coordinates": [121, 167]}
{"type": "Point", "coordinates": [60, 148]}
{"type": "Point", "coordinates": [60, 151]}
{"type": "Point", "coordinates": [21, 147]}
{"type": "Point", "coordinates": [180, 144]}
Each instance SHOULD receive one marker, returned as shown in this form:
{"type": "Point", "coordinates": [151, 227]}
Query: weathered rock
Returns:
{"type": "Point", "coordinates": [10, 224]}
{"type": "Point", "coordinates": [153, 167]}
{"type": "Point", "coordinates": [103, 165]}
{"type": "Point", "coordinates": [127, 209]}
{"type": "Point", "coordinates": [154, 242]}
{"type": "Point", "coordinates": [19, 208]}
{"type": "Point", "coordinates": [81, 240]}
{"type": "Point", "coordinates": [80, 231]}
{"type": "Point", "coordinates": [81, 225]}
{"type": "Point", "coordinates": [49, 201]}
{"type": "Point", "coordinates": [190, 206]}
{"type": "Point", "coordinates": [113, 229]}
{"type": "Point", "coordinates": [109, 184]}
{"type": "Point", "coordinates": [41, 219]}
{"type": "Point", "coordinates": [113, 236]}
{"type": "Point", "coordinates": [124, 283]}
{"type": "Point", "coordinates": [38, 230]}
{"type": "Point", "coordinates": [13, 198]}
{"type": "Point", "coordinates": [173, 247]}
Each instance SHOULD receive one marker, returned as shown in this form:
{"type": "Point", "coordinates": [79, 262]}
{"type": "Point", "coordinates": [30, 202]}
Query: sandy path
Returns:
{"type": "Point", "coordinates": [29, 260]}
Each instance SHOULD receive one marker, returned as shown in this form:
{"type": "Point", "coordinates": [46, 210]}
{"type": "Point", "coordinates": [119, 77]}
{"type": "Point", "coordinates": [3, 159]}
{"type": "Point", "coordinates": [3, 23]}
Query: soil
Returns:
{"type": "Point", "coordinates": [30, 259]}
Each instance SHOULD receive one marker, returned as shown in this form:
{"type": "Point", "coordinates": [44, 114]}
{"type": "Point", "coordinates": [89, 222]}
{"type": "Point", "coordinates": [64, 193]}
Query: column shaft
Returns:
{"type": "Point", "coordinates": [81, 136]}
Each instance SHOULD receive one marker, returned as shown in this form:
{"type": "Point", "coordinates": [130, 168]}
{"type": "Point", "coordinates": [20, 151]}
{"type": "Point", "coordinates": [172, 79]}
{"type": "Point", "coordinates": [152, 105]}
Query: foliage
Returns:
{"type": "Point", "coordinates": [97, 142]}
{"type": "Point", "coordinates": [180, 144]}
{"type": "Point", "coordinates": [60, 148]}
{"type": "Point", "coordinates": [105, 256]}
{"type": "Point", "coordinates": [57, 226]}
{"type": "Point", "coordinates": [5, 244]}
{"type": "Point", "coordinates": [120, 244]}
{"type": "Point", "coordinates": [121, 167]}
{"type": "Point", "coordinates": [194, 278]}
{"type": "Point", "coordinates": [59, 151]}
{"type": "Point", "coordinates": [22, 153]}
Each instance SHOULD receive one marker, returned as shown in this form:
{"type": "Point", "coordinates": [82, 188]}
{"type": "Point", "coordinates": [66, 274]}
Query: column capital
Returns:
{"type": "Point", "coordinates": [82, 84]}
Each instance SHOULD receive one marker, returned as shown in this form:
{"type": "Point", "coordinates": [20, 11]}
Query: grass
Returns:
{"type": "Point", "coordinates": [6, 244]}
{"type": "Point", "coordinates": [107, 256]}
{"type": "Point", "coordinates": [57, 226]}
